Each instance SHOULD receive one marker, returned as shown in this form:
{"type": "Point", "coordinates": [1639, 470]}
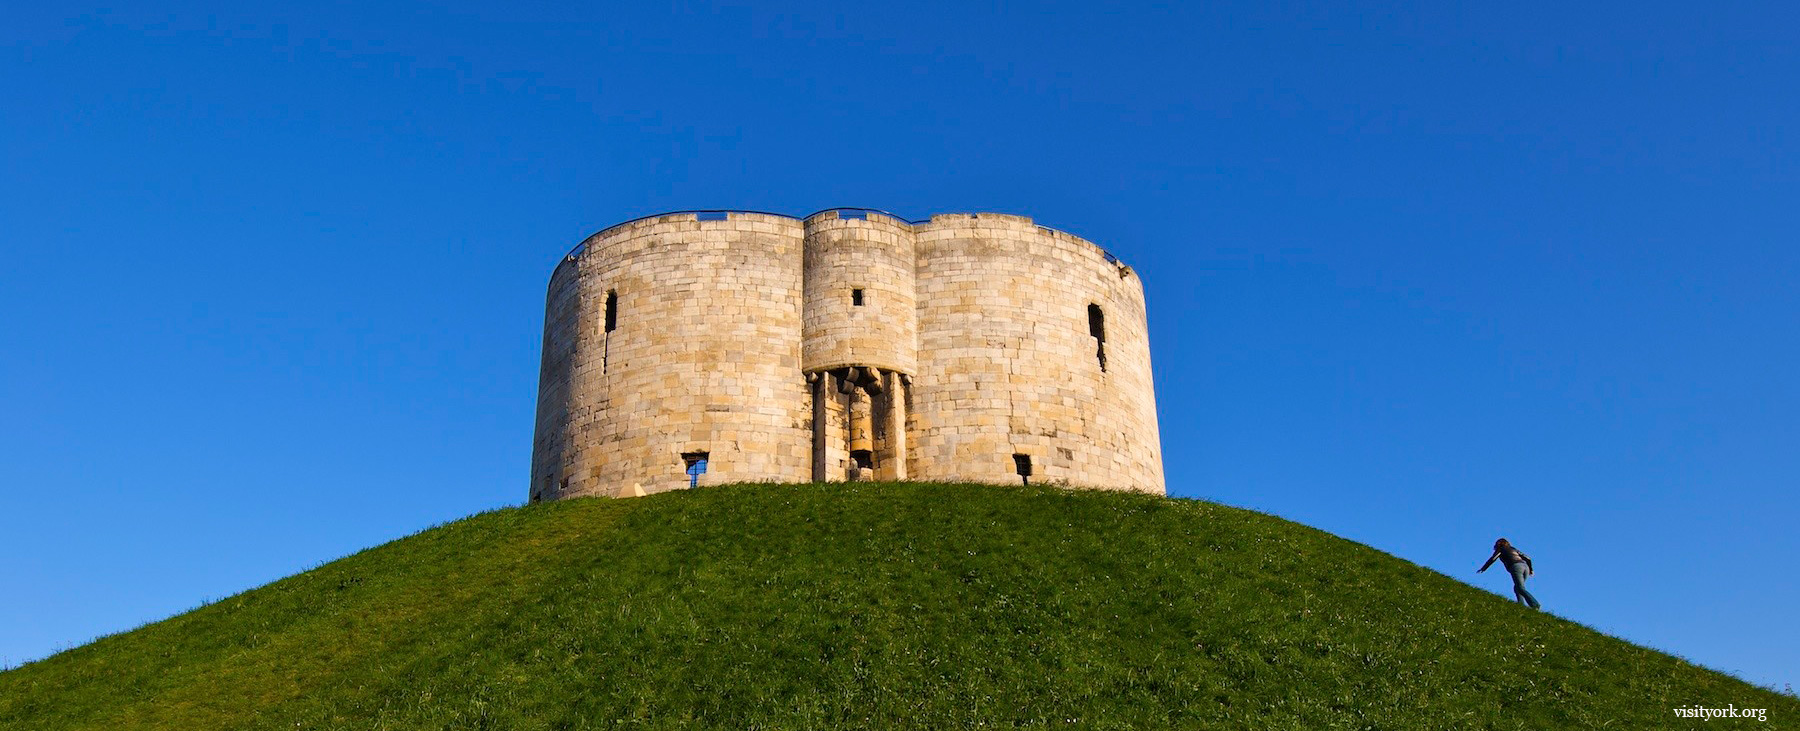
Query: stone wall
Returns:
{"type": "Point", "coordinates": [704, 357]}
{"type": "Point", "coordinates": [1009, 364]}
{"type": "Point", "coordinates": [859, 293]}
{"type": "Point", "coordinates": [740, 336]}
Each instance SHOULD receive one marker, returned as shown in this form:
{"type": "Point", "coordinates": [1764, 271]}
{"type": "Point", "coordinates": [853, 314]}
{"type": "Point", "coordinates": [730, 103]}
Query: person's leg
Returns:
{"type": "Point", "coordinates": [1519, 592]}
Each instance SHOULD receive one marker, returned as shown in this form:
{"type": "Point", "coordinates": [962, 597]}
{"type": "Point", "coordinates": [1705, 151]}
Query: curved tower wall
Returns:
{"type": "Point", "coordinates": [703, 357]}
{"type": "Point", "coordinates": [559, 408]}
{"type": "Point", "coordinates": [974, 351]}
{"type": "Point", "coordinates": [1011, 366]}
{"type": "Point", "coordinates": [861, 342]}
{"type": "Point", "coordinates": [873, 255]}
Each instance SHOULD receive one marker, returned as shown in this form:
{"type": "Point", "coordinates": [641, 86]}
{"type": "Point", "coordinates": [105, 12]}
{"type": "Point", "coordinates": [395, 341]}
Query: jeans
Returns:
{"type": "Point", "coordinates": [1519, 592]}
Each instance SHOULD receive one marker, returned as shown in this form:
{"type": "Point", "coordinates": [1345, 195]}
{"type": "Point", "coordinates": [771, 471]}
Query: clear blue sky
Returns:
{"type": "Point", "coordinates": [272, 282]}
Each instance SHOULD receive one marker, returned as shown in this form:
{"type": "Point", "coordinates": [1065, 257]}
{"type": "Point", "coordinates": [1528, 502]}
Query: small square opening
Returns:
{"type": "Point", "coordinates": [1022, 464]}
{"type": "Point", "coordinates": [696, 466]}
{"type": "Point", "coordinates": [856, 297]}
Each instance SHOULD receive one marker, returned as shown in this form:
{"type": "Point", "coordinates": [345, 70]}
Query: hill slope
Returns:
{"type": "Point", "coordinates": [876, 606]}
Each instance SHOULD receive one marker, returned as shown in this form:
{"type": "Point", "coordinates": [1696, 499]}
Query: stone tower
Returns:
{"type": "Point", "coordinates": [714, 347]}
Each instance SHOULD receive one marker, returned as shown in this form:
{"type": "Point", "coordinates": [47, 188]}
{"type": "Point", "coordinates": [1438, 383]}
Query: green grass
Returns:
{"type": "Point", "coordinates": [868, 606]}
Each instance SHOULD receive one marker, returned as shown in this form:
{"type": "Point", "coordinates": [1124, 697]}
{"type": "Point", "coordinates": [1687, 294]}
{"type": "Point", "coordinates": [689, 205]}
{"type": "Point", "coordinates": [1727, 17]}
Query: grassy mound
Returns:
{"type": "Point", "coordinates": [867, 606]}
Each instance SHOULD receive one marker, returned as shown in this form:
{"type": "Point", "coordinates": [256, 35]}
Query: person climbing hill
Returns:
{"type": "Point", "coordinates": [1518, 564]}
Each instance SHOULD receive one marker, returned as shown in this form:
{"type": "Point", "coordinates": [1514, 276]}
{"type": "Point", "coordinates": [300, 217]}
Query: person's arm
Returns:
{"type": "Point", "coordinates": [1490, 562]}
{"type": "Point", "coordinates": [1529, 569]}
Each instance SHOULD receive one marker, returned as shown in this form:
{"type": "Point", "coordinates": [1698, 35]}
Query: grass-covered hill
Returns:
{"type": "Point", "coordinates": [868, 606]}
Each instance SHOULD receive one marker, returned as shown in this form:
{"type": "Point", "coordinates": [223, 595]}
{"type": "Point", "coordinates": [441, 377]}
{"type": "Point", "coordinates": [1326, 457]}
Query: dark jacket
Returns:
{"type": "Point", "coordinates": [1509, 556]}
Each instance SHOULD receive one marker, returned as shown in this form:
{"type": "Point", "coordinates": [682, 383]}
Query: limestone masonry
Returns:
{"type": "Point", "coordinates": [714, 347]}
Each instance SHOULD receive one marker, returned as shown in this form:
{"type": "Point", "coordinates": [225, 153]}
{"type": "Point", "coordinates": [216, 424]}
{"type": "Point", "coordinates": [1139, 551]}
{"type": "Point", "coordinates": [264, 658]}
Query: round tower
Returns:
{"type": "Point", "coordinates": [672, 351]}
{"type": "Point", "coordinates": [1034, 359]}
{"type": "Point", "coordinates": [860, 344]}
{"type": "Point", "coordinates": [860, 303]}
{"type": "Point", "coordinates": [705, 348]}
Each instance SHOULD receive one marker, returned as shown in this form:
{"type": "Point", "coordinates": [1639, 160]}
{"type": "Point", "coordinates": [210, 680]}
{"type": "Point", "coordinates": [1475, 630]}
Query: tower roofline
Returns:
{"type": "Point", "coordinates": [703, 214]}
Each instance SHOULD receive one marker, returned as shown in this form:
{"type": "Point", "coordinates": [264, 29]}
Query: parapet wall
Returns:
{"type": "Point", "coordinates": [847, 345]}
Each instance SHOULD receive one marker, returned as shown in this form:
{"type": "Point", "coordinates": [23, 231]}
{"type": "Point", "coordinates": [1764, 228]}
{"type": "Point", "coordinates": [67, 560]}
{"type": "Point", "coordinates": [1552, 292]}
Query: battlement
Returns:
{"type": "Point", "coordinates": [710, 346]}
{"type": "Point", "coordinates": [729, 215]}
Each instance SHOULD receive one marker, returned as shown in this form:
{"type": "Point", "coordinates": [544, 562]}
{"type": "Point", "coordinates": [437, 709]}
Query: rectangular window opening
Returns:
{"type": "Point", "coordinates": [612, 323]}
{"type": "Point", "coordinates": [696, 466]}
{"type": "Point", "coordinates": [853, 215]}
{"type": "Point", "coordinates": [1022, 464]}
{"type": "Point", "coordinates": [856, 297]}
{"type": "Point", "coordinates": [1097, 328]}
{"type": "Point", "coordinates": [711, 215]}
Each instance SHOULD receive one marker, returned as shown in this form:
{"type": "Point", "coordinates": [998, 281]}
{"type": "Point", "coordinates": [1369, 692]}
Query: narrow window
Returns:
{"type": "Point", "coordinates": [1022, 463]}
{"type": "Point", "coordinates": [612, 323]}
{"type": "Point", "coordinates": [696, 466]}
{"type": "Point", "coordinates": [1097, 328]}
{"type": "Point", "coordinates": [563, 486]}
{"type": "Point", "coordinates": [856, 297]}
